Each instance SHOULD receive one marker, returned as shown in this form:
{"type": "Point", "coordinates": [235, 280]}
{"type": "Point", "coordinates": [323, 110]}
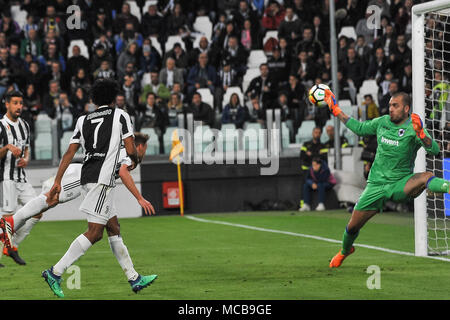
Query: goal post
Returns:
{"type": "Point", "coordinates": [430, 231]}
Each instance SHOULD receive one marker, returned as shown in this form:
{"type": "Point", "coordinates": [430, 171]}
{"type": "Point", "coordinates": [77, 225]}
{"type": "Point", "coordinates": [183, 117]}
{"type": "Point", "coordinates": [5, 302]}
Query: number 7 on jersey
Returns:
{"type": "Point", "coordinates": [99, 122]}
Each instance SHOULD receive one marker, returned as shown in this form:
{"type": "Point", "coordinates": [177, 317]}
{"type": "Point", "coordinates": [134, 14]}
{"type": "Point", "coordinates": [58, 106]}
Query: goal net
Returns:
{"type": "Point", "coordinates": [431, 99]}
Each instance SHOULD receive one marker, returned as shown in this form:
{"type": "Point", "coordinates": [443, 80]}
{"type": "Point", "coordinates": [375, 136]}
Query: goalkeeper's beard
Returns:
{"type": "Point", "coordinates": [399, 119]}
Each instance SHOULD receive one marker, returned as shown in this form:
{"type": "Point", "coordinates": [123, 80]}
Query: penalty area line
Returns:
{"type": "Point", "coordinates": [244, 226]}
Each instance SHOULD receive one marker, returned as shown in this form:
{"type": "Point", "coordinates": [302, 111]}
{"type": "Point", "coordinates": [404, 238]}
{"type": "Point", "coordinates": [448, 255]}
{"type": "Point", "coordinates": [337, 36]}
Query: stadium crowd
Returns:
{"type": "Point", "coordinates": [55, 78]}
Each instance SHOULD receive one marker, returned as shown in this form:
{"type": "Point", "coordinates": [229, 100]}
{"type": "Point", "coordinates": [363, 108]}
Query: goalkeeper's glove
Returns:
{"type": "Point", "coordinates": [330, 99]}
{"type": "Point", "coordinates": [417, 125]}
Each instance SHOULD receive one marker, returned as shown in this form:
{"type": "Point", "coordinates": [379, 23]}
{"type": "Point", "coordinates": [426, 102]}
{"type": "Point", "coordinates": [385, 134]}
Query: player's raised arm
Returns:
{"type": "Point", "coordinates": [424, 137]}
{"type": "Point", "coordinates": [360, 128]}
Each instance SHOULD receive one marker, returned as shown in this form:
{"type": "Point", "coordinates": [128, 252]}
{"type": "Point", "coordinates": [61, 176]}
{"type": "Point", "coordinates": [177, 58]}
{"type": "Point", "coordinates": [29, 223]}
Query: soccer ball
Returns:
{"type": "Point", "coordinates": [317, 94]}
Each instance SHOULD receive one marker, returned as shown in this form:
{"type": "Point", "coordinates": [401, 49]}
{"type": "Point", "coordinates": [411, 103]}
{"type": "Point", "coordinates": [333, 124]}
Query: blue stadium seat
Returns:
{"type": "Point", "coordinates": [304, 133]}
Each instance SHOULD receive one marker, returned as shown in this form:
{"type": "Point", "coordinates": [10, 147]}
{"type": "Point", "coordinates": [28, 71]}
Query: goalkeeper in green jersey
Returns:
{"type": "Point", "coordinates": [399, 135]}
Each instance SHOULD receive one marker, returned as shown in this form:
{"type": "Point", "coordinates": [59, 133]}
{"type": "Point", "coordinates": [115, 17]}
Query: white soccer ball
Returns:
{"type": "Point", "coordinates": [317, 94]}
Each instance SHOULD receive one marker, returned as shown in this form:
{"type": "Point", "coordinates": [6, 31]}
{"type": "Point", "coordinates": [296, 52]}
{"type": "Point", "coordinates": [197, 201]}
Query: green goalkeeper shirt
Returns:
{"type": "Point", "coordinates": [397, 147]}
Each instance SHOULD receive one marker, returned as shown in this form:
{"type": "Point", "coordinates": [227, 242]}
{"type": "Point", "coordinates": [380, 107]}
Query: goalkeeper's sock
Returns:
{"type": "Point", "coordinates": [438, 185]}
{"type": "Point", "coordinates": [347, 241]}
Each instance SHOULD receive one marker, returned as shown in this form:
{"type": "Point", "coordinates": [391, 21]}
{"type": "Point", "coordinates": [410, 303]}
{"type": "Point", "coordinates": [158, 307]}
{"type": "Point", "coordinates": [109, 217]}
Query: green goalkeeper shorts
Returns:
{"type": "Point", "coordinates": [375, 196]}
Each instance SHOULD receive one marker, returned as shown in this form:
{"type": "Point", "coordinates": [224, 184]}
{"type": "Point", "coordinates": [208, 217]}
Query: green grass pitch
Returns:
{"type": "Point", "coordinates": [196, 260]}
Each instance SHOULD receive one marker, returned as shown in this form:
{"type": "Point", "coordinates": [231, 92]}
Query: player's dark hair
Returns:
{"type": "Point", "coordinates": [140, 138]}
{"type": "Point", "coordinates": [104, 92]}
{"type": "Point", "coordinates": [406, 99]}
{"type": "Point", "coordinates": [13, 94]}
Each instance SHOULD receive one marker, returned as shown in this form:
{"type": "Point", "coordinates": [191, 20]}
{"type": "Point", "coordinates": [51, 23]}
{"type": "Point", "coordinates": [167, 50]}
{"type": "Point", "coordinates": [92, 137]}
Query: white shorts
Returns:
{"type": "Point", "coordinates": [98, 202]}
{"type": "Point", "coordinates": [15, 193]}
{"type": "Point", "coordinates": [70, 183]}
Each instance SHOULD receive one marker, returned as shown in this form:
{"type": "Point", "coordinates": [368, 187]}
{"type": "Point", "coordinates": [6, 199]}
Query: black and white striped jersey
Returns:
{"type": "Point", "coordinates": [101, 133]}
{"type": "Point", "coordinates": [18, 134]}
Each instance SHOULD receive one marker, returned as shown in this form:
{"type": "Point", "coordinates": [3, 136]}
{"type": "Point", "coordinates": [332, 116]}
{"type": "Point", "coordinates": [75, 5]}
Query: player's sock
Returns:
{"type": "Point", "coordinates": [32, 208]}
{"type": "Point", "coordinates": [123, 257]}
{"type": "Point", "coordinates": [347, 241]}
{"type": "Point", "coordinates": [24, 231]}
{"type": "Point", "coordinates": [438, 185]}
{"type": "Point", "coordinates": [78, 247]}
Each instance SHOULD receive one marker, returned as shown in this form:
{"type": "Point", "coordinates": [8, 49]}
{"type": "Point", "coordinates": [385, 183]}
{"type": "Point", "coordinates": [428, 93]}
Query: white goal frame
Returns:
{"type": "Point", "coordinates": [418, 98]}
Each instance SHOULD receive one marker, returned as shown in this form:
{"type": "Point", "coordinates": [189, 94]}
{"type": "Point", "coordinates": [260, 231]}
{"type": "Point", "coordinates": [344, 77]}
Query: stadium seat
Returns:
{"type": "Point", "coordinates": [157, 45]}
{"type": "Point", "coordinates": [284, 135]}
{"type": "Point", "coordinates": [43, 146]}
{"type": "Point", "coordinates": [43, 123]}
{"type": "Point", "coordinates": [256, 58]}
{"type": "Point", "coordinates": [207, 96]}
{"type": "Point", "coordinates": [305, 131]}
{"type": "Point", "coordinates": [134, 9]}
{"type": "Point", "coordinates": [249, 76]}
{"type": "Point", "coordinates": [171, 40]}
{"type": "Point", "coordinates": [349, 32]}
{"type": "Point", "coordinates": [202, 138]}
{"type": "Point", "coordinates": [252, 137]}
{"type": "Point", "coordinates": [84, 51]}
{"type": "Point", "coordinates": [167, 139]}
{"type": "Point", "coordinates": [153, 142]}
{"type": "Point", "coordinates": [203, 24]}
{"type": "Point", "coordinates": [145, 79]}
{"type": "Point", "coordinates": [229, 92]}
{"type": "Point", "coordinates": [20, 17]}
{"type": "Point", "coordinates": [270, 34]}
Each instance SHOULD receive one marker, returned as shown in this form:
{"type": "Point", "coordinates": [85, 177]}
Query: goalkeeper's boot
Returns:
{"type": "Point", "coordinates": [339, 258]}
{"type": "Point", "coordinates": [53, 281]}
{"type": "Point", "coordinates": [13, 254]}
{"type": "Point", "coordinates": [7, 226]}
{"type": "Point", "coordinates": [141, 282]}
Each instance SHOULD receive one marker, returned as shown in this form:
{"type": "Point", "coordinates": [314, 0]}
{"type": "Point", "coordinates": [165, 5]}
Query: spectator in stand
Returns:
{"type": "Point", "coordinates": [78, 99]}
{"type": "Point", "coordinates": [130, 89]}
{"type": "Point", "coordinates": [152, 23]}
{"type": "Point", "coordinates": [257, 113]}
{"type": "Point", "coordinates": [31, 44]}
{"type": "Point", "coordinates": [377, 65]}
{"type": "Point", "coordinates": [203, 46]}
{"type": "Point", "coordinates": [342, 50]}
{"type": "Point", "coordinates": [296, 94]}
{"type": "Point", "coordinates": [150, 58]}
{"type": "Point", "coordinates": [300, 10]}
{"type": "Point", "coordinates": [321, 33]}
{"type": "Point", "coordinates": [201, 75]}
{"type": "Point", "coordinates": [57, 75]}
{"type": "Point", "coordinates": [405, 80]}
{"type": "Point", "coordinates": [80, 79]}
{"type": "Point", "coordinates": [384, 103]}
{"type": "Point", "coordinates": [345, 88]}
{"type": "Point", "coordinates": [319, 179]}
{"type": "Point", "coordinates": [291, 27]}
{"type": "Point", "coordinates": [399, 53]}
{"type": "Point", "coordinates": [234, 112]}
{"type": "Point", "coordinates": [171, 74]}
{"type": "Point", "coordinates": [123, 17]}
{"type": "Point", "coordinates": [176, 20]}
{"type": "Point", "coordinates": [35, 77]}
{"type": "Point", "coordinates": [177, 88]}
{"type": "Point", "coordinates": [66, 110]}
{"type": "Point", "coordinates": [262, 87]}
{"type": "Point", "coordinates": [179, 55]}
{"type": "Point", "coordinates": [227, 78]}
{"type": "Point", "coordinates": [153, 115]}
{"type": "Point", "coordinates": [363, 51]}
{"type": "Point", "coordinates": [102, 24]}
{"type": "Point", "coordinates": [278, 67]}
{"type": "Point", "coordinates": [121, 103]}
{"type": "Point", "coordinates": [52, 55]}
{"type": "Point", "coordinates": [129, 55]}
{"type": "Point", "coordinates": [363, 28]}
{"type": "Point", "coordinates": [308, 44]}
{"type": "Point", "coordinates": [227, 32]}
{"type": "Point", "coordinates": [30, 24]}
{"type": "Point", "coordinates": [52, 22]}
{"type": "Point", "coordinates": [201, 111]}
{"type": "Point", "coordinates": [237, 55]}
{"type": "Point", "coordinates": [285, 51]}
{"type": "Point", "coordinates": [128, 36]}
{"type": "Point", "coordinates": [100, 54]}
{"type": "Point", "coordinates": [107, 42]}
{"type": "Point", "coordinates": [304, 68]}
{"type": "Point", "coordinates": [76, 61]}
{"type": "Point", "coordinates": [243, 13]}
{"type": "Point", "coordinates": [371, 107]}
{"type": "Point", "coordinates": [104, 72]}
{"type": "Point", "coordinates": [311, 149]}
{"type": "Point", "coordinates": [50, 103]}
{"type": "Point", "coordinates": [353, 68]}
{"type": "Point", "coordinates": [155, 87]}
{"type": "Point", "coordinates": [250, 38]}
{"type": "Point", "coordinates": [273, 15]}
{"type": "Point", "coordinates": [174, 107]}
{"type": "Point", "coordinates": [330, 143]}
{"type": "Point", "coordinates": [31, 108]}
{"type": "Point", "coordinates": [386, 41]}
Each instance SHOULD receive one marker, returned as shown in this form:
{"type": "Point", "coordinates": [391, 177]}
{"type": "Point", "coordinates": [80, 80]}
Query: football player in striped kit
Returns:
{"type": "Point", "coordinates": [14, 157]}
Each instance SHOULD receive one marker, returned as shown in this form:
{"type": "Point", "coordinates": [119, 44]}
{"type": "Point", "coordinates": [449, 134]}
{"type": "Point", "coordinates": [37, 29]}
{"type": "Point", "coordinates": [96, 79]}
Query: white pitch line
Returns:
{"type": "Point", "coordinates": [403, 253]}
